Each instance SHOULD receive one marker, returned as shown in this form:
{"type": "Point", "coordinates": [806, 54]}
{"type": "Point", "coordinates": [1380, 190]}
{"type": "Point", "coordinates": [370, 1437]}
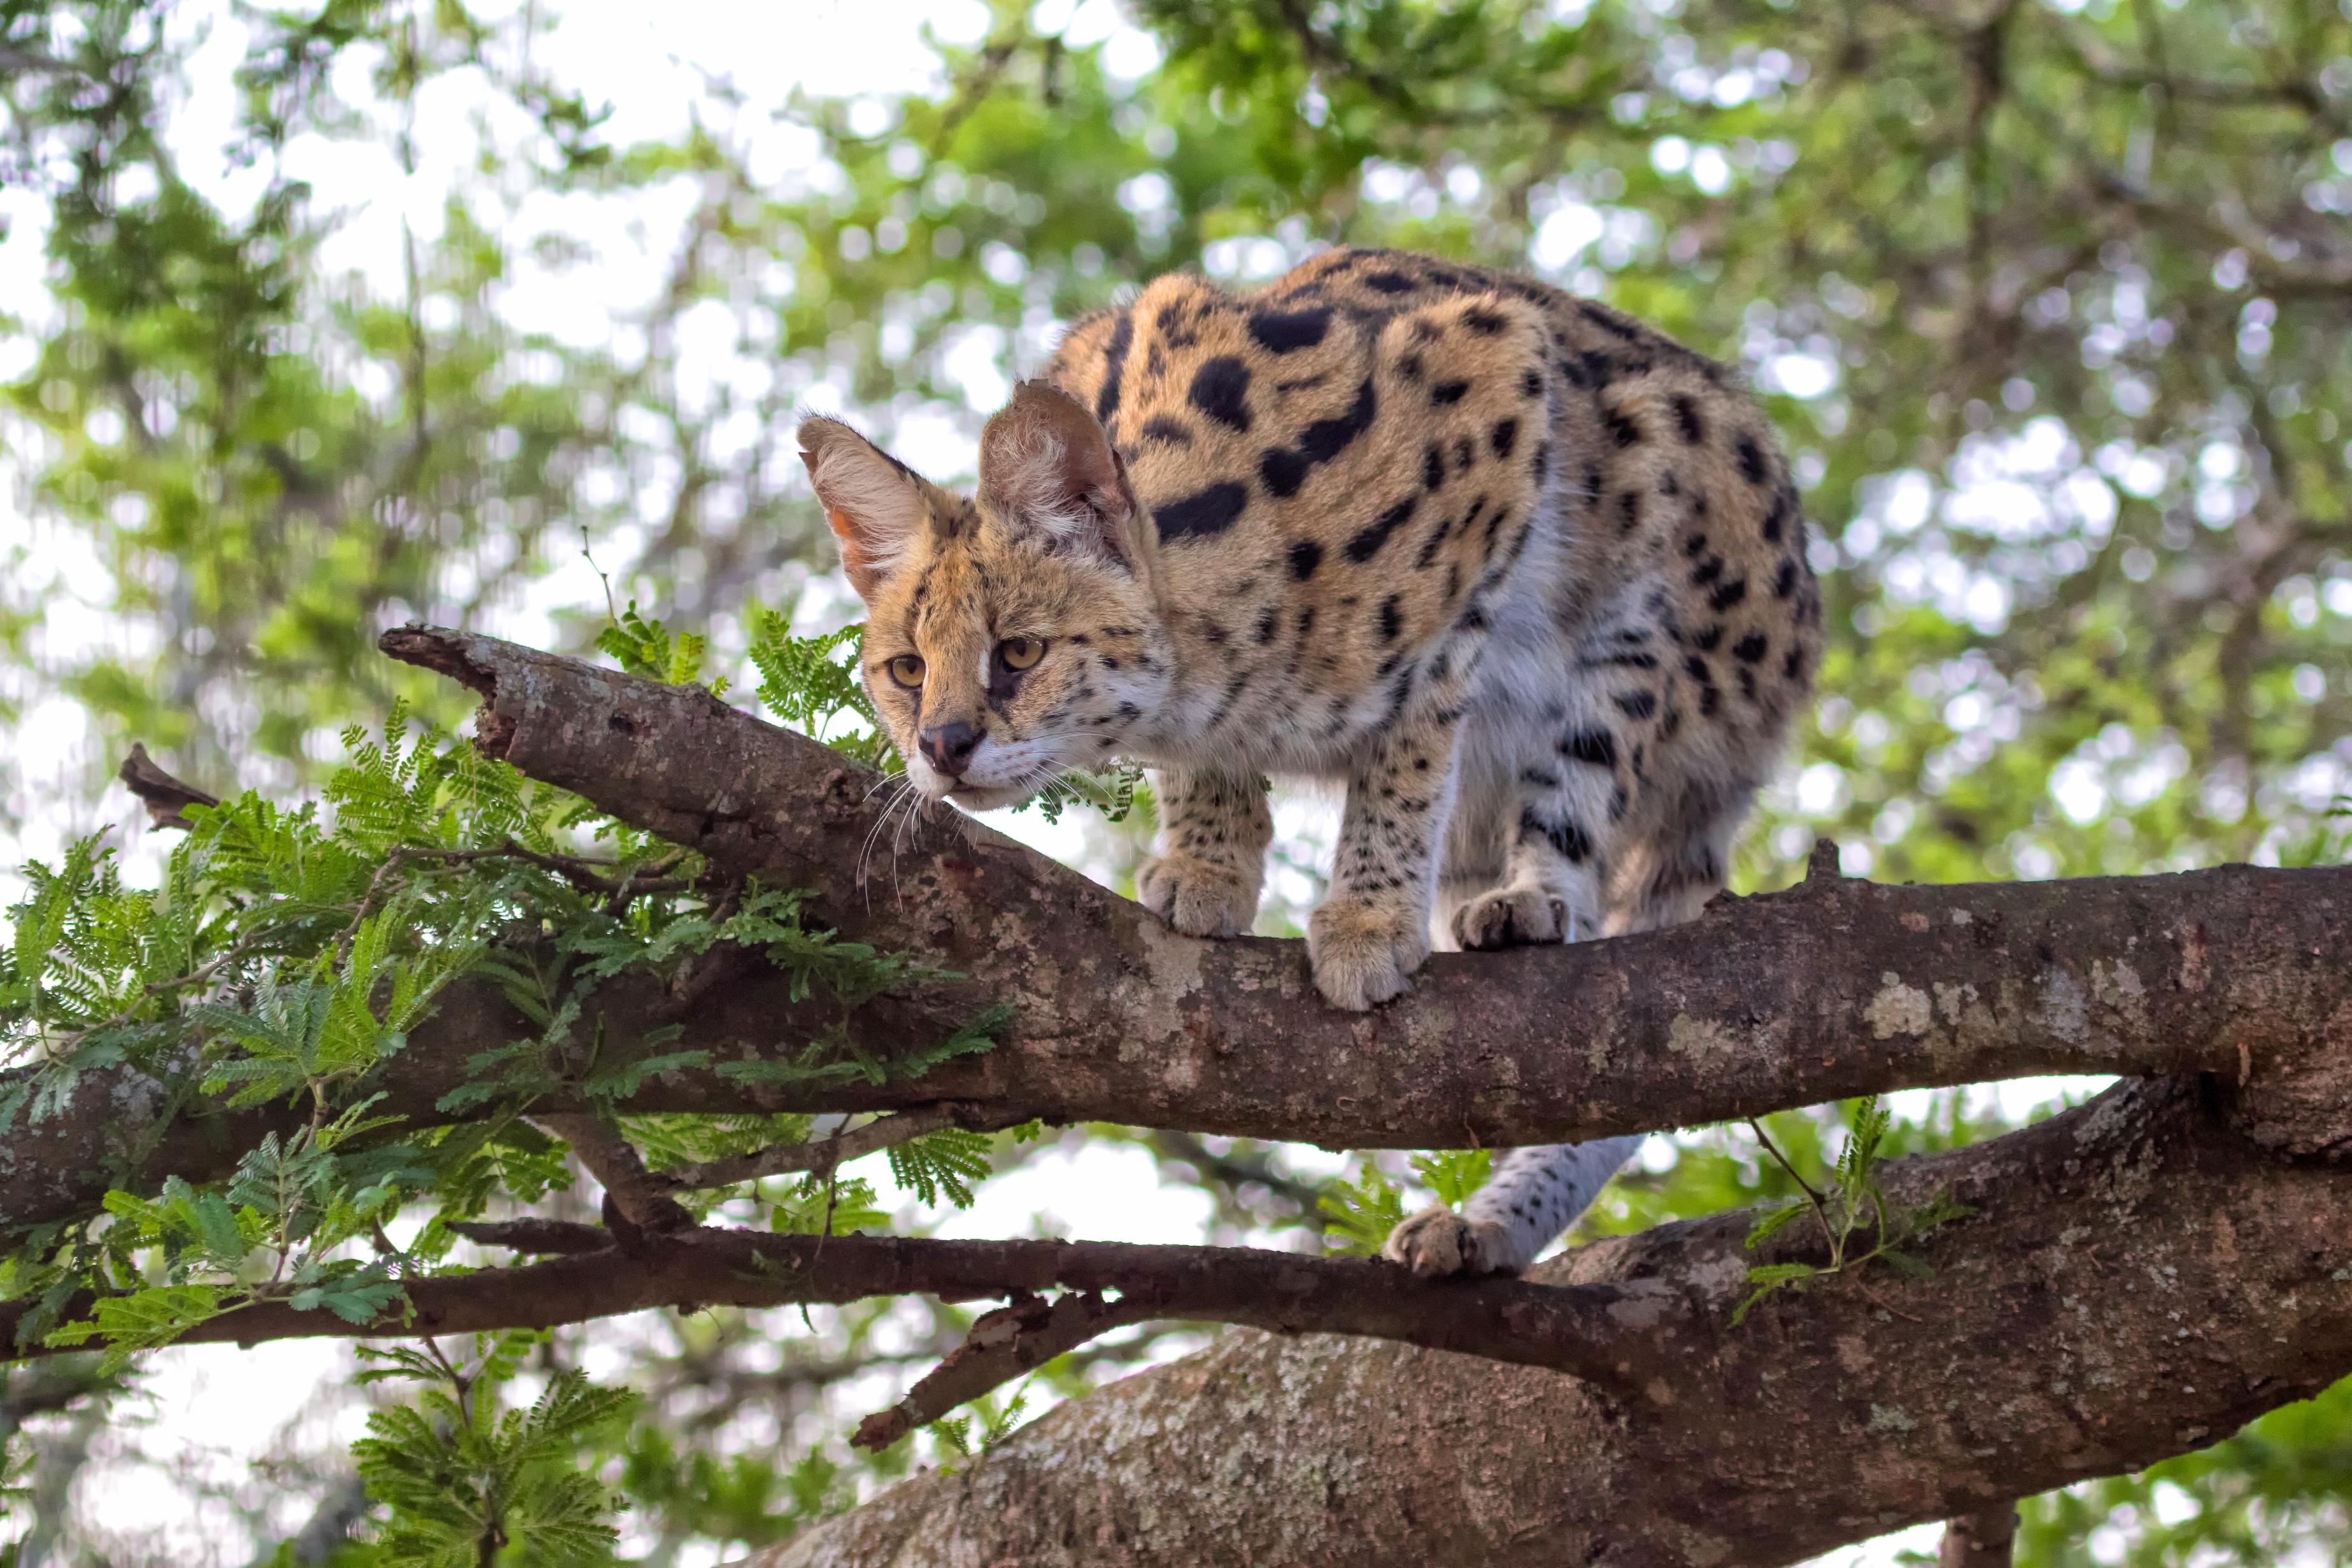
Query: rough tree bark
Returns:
{"type": "Point", "coordinates": [1832, 989]}
{"type": "Point", "coordinates": [2138, 1280]}
{"type": "Point", "coordinates": [2141, 1274]}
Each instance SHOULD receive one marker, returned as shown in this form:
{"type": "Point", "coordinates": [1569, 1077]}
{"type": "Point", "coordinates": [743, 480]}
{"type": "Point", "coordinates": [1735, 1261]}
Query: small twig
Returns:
{"type": "Point", "coordinates": [652, 871]}
{"type": "Point", "coordinates": [824, 1155]}
{"type": "Point", "coordinates": [163, 795]}
{"type": "Point", "coordinates": [1009, 1342]}
{"type": "Point", "coordinates": [1781, 1159]}
{"type": "Point", "coordinates": [1873, 1298]}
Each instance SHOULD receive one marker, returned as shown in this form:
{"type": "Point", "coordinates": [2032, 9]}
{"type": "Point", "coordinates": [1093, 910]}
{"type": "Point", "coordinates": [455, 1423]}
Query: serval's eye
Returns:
{"type": "Point", "coordinates": [1020, 653]}
{"type": "Point", "coordinates": [908, 671]}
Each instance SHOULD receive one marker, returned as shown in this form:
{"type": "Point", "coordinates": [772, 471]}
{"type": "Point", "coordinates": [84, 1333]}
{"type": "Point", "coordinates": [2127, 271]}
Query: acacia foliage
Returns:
{"type": "Point", "coordinates": [2082, 263]}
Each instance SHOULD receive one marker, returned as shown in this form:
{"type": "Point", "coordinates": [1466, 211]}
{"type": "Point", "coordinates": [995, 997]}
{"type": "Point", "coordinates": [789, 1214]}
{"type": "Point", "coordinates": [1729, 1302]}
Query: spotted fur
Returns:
{"type": "Point", "coordinates": [1527, 574]}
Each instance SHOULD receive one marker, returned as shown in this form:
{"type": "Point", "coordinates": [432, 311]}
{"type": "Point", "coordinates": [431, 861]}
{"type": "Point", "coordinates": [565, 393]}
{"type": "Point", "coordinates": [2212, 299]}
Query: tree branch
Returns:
{"type": "Point", "coordinates": [2138, 1279]}
{"type": "Point", "coordinates": [1576, 1330]}
{"type": "Point", "coordinates": [1009, 1342]}
{"type": "Point", "coordinates": [636, 1198]}
{"type": "Point", "coordinates": [163, 795]}
{"type": "Point", "coordinates": [1835, 988]}
{"type": "Point", "coordinates": [1979, 1540]}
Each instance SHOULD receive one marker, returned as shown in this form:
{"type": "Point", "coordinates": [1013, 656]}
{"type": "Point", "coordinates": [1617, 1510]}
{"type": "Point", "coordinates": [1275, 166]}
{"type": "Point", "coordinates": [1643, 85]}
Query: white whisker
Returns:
{"type": "Point", "coordinates": [900, 787]}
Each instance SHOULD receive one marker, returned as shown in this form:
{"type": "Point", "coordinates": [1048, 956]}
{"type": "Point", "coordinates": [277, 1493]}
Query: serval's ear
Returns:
{"type": "Point", "coordinates": [874, 503]}
{"type": "Point", "coordinates": [1046, 467]}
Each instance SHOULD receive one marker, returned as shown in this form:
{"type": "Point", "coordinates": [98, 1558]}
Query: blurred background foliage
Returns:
{"type": "Point", "coordinates": [2050, 298]}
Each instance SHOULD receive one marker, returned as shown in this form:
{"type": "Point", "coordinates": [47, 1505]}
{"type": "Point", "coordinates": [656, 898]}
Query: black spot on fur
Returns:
{"type": "Point", "coordinates": [1167, 429]}
{"type": "Point", "coordinates": [1284, 469]}
{"type": "Point", "coordinates": [1388, 282]}
{"type": "Point", "coordinates": [1707, 641]}
{"type": "Point", "coordinates": [1504, 436]}
{"type": "Point", "coordinates": [1687, 417]}
{"type": "Point", "coordinates": [1706, 571]}
{"type": "Point", "coordinates": [1485, 322]}
{"type": "Point", "coordinates": [1446, 393]}
{"type": "Point", "coordinates": [1753, 467]}
{"type": "Point", "coordinates": [1281, 331]}
{"type": "Point", "coordinates": [1305, 557]}
{"type": "Point", "coordinates": [1784, 582]}
{"type": "Point", "coordinates": [1637, 704]}
{"type": "Point", "coordinates": [1436, 537]}
{"type": "Point", "coordinates": [1202, 516]}
{"type": "Point", "coordinates": [1433, 467]}
{"type": "Point", "coordinates": [1221, 390]}
{"type": "Point", "coordinates": [1729, 594]}
{"type": "Point", "coordinates": [1531, 385]}
{"type": "Point", "coordinates": [1624, 661]}
{"type": "Point", "coordinates": [1751, 648]}
{"type": "Point", "coordinates": [1607, 320]}
{"type": "Point", "coordinates": [1391, 619]}
{"type": "Point", "coordinates": [1629, 511]}
{"type": "Point", "coordinates": [1595, 748]}
{"type": "Point", "coordinates": [1122, 337]}
{"type": "Point", "coordinates": [1793, 665]}
{"type": "Point", "coordinates": [1575, 846]}
{"type": "Point", "coordinates": [1540, 466]}
{"type": "Point", "coordinates": [1265, 625]}
{"type": "Point", "coordinates": [1366, 544]}
{"type": "Point", "coordinates": [1622, 428]}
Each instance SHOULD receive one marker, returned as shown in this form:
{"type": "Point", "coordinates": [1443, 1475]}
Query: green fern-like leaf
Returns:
{"type": "Point", "coordinates": [1359, 1215]}
{"type": "Point", "coordinates": [1453, 1174]}
{"type": "Point", "coordinates": [950, 1161]}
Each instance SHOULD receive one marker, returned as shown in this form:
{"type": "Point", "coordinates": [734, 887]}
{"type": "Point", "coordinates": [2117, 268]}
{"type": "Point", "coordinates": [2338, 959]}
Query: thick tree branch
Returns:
{"type": "Point", "coordinates": [2138, 1279]}
{"type": "Point", "coordinates": [1834, 988]}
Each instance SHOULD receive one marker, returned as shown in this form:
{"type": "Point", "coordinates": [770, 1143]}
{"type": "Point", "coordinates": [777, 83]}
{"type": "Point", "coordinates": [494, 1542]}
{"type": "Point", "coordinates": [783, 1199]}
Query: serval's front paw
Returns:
{"type": "Point", "coordinates": [1512, 917]}
{"type": "Point", "coordinates": [1437, 1243]}
{"type": "Point", "coordinates": [1363, 952]}
{"type": "Point", "coordinates": [1200, 898]}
